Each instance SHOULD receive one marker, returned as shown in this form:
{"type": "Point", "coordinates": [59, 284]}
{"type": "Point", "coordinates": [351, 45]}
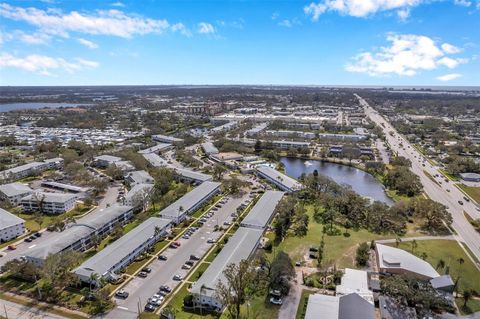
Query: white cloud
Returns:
{"type": "Point", "coordinates": [464, 3]}
{"type": "Point", "coordinates": [28, 38]}
{"type": "Point", "coordinates": [118, 4]}
{"type": "Point", "coordinates": [180, 27]}
{"type": "Point", "coordinates": [406, 55]}
{"type": "Point", "coordinates": [449, 77]}
{"type": "Point", "coordinates": [315, 10]}
{"type": "Point", "coordinates": [450, 49]}
{"type": "Point", "coordinates": [205, 28]}
{"type": "Point", "coordinates": [43, 64]}
{"type": "Point", "coordinates": [89, 44]}
{"type": "Point", "coordinates": [403, 14]}
{"type": "Point", "coordinates": [103, 22]}
{"type": "Point", "coordinates": [285, 23]}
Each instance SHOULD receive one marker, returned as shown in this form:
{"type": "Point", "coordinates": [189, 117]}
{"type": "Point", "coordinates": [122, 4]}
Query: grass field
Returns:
{"type": "Point", "coordinates": [471, 307]}
{"type": "Point", "coordinates": [450, 252]}
{"type": "Point", "coordinates": [302, 306]}
{"type": "Point", "coordinates": [473, 192]}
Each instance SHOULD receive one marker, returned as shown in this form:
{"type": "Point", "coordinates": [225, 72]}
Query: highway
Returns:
{"type": "Point", "coordinates": [440, 190]}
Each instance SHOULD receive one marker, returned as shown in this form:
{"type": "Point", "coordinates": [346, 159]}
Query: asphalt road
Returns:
{"type": "Point", "coordinates": [12, 310]}
{"type": "Point", "coordinates": [140, 289]}
{"type": "Point", "coordinates": [437, 191]}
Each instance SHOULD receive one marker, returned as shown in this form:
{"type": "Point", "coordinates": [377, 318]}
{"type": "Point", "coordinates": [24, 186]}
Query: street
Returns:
{"type": "Point", "coordinates": [140, 289]}
{"type": "Point", "coordinates": [13, 310]}
{"type": "Point", "coordinates": [437, 190]}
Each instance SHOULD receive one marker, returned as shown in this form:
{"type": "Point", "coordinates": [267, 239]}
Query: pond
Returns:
{"type": "Point", "coordinates": [35, 105]}
{"type": "Point", "coordinates": [361, 182]}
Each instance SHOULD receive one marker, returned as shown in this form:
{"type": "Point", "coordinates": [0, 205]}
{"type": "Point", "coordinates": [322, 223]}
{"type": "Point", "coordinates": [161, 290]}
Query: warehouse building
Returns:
{"type": "Point", "coordinates": [78, 236]}
{"type": "Point", "coordinates": [112, 259]}
{"type": "Point", "coordinates": [11, 226]}
{"type": "Point", "coordinates": [191, 201]}
{"type": "Point", "coordinates": [48, 203]}
{"type": "Point", "coordinates": [14, 192]}
{"type": "Point", "coordinates": [262, 213]}
{"type": "Point", "coordinates": [240, 246]}
{"type": "Point", "coordinates": [282, 181]}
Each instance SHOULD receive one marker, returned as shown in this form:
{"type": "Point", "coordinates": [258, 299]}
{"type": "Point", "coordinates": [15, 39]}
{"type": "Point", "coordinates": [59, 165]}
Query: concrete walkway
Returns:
{"type": "Point", "coordinates": [449, 237]}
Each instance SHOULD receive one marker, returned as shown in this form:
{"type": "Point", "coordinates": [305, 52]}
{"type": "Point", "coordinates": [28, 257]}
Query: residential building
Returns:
{"type": "Point", "coordinates": [48, 203]}
{"type": "Point", "coordinates": [393, 260]}
{"type": "Point", "coordinates": [77, 236]}
{"type": "Point", "coordinates": [112, 259]}
{"type": "Point", "coordinates": [225, 127]}
{"type": "Point", "coordinates": [240, 246]}
{"type": "Point", "coordinates": [350, 306]}
{"type": "Point", "coordinates": [139, 177]}
{"type": "Point", "coordinates": [209, 148]}
{"type": "Point", "coordinates": [290, 144]}
{"type": "Point", "coordinates": [190, 176]}
{"type": "Point", "coordinates": [105, 160]}
{"type": "Point", "coordinates": [255, 130]}
{"type": "Point", "coordinates": [124, 166]}
{"type": "Point", "coordinates": [11, 226]}
{"type": "Point", "coordinates": [14, 192]}
{"type": "Point", "coordinates": [166, 139]}
{"type": "Point", "coordinates": [139, 195]}
{"type": "Point", "coordinates": [31, 169]}
{"type": "Point", "coordinates": [159, 148]}
{"type": "Point", "coordinates": [190, 202]}
{"type": "Point", "coordinates": [355, 281]}
{"type": "Point", "coordinates": [155, 160]}
{"type": "Point", "coordinates": [288, 133]}
{"type": "Point", "coordinates": [282, 181]}
{"type": "Point", "coordinates": [262, 213]}
{"type": "Point", "coordinates": [65, 187]}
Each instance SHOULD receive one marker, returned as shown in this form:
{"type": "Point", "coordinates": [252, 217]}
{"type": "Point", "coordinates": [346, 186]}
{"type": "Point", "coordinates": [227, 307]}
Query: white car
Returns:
{"type": "Point", "coordinates": [178, 278]}
{"type": "Point", "coordinates": [276, 301]}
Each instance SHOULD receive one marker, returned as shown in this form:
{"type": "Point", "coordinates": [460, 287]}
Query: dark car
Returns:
{"type": "Point", "coordinates": [165, 288]}
{"type": "Point", "coordinates": [460, 202]}
{"type": "Point", "coordinates": [142, 274]}
{"type": "Point", "coordinates": [162, 257]}
{"type": "Point", "coordinates": [189, 262]}
{"type": "Point", "coordinates": [194, 257]}
{"type": "Point", "coordinates": [37, 235]}
{"type": "Point", "coordinates": [150, 308]}
{"type": "Point", "coordinates": [313, 249]}
{"type": "Point", "coordinates": [121, 294]}
{"type": "Point", "coordinates": [147, 270]}
{"type": "Point", "coordinates": [28, 240]}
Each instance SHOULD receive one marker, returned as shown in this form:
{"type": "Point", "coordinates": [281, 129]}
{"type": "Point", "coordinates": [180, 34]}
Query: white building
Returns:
{"type": "Point", "coordinates": [355, 281]}
{"type": "Point", "coordinates": [30, 169]}
{"type": "Point", "coordinates": [14, 192]}
{"type": "Point", "coordinates": [49, 203]}
{"type": "Point", "coordinates": [105, 160]}
{"type": "Point", "coordinates": [139, 195]}
{"type": "Point", "coordinates": [11, 226]}
{"type": "Point", "coordinates": [139, 177]}
{"type": "Point", "coordinates": [166, 139]}
{"type": "Point", "coordinates": [282, 181]}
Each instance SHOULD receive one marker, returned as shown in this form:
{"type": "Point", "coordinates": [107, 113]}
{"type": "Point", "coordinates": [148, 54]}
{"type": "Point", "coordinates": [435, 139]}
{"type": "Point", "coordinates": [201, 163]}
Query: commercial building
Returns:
{"type": "Point", "coordinates": [48, 203]}
{"type": "Point", "coordinates": [262, 213]}
{"type": "Point", "coordinates": [470, 177]}
{"type": "Point", "coordinates": [190, 202]}
{"type": "Point", "coordinates": [105, 160]}
{"type": "Point", "coordinates": [14, 192]}
{"type": "Point", "coordinates": [78, 235]}
{"type": "Point", "coordinates": [282, 181]}
{"type": "Point", "coordinates": [139, 177]}
{"type": "Point", "coordinates": [11, 226]}
{"type": "Point", "coordinates": [393, 260]}
{"type": "Point", "coordinates": [116, 256]}
{"type": "Point", "coordinates": [65, 187]}
{"type": "Point", "coordinates": [240, 246]}
{"type": "Point", "coordinates": [350, 306]}
{"type": "Point", "coordinates": [166, 139]}
{"type": "Point", "coordinates": [209, 148]}
{"type": "Point", "coordinates": [190, 176]}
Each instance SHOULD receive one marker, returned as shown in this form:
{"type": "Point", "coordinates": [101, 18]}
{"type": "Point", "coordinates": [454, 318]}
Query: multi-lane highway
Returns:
{"type": "Point", "coordinates": [440, 190]}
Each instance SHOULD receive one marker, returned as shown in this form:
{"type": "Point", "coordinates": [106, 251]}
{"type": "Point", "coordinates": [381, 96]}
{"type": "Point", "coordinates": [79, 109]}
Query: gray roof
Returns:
{"type": "Point", "coordinates": [138, 189]}
{"type": "Point", "coordinates": [107, 158]}
{"type": "Point", "coordinates": [21, 168]}
{"type": "Point", "coordinates": [165, 138]}
{"type": "Point", "coordinates": [322, 304]}
{"type": "Point", "coordinates": [7, 219]}
{"type": "Point", "coordinates": [470, 175]}
{"type": "Point", "coordinates": [140, 177]}
{"type": "Point", "coordinates": [189, 200]}
{"type": "Point", "coordinates": [50, 197]}
{"type": "Point", "coordinates": [14, 189]}
{"type": "Point", "coordinates": [391, 309]}
{"type": "Point", "coordinates": [353, 306]}
{"type": "Point", "coordinates": [293, 143]}
{"type": "Point", "coordinates": [114, 253]}
{"type": "Point", "coordinates": [187, 173]}
{"type": "Point", "coordinates": [72, 188]}
{"type": "Point", "coordinates": [263, 210]}
{"type": "Point", "coordinates": [81, 229]}
{"type": "Point", "coordinates": [155, 160]}
{"type": "Point", "coordinates": [239, 247]}
{"type": "Point", "coordinates": [442, 282]}
{"type": "Point", "coordinates": [281, 178]}
{"type": "Point", "coordinates": [157, 148]}
{"type": "Point", "coordinates": [209, 148]}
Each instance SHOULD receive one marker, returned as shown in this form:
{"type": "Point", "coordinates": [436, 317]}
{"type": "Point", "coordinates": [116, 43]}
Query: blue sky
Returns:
{"type": "Point", "coordinates": [324, 42]}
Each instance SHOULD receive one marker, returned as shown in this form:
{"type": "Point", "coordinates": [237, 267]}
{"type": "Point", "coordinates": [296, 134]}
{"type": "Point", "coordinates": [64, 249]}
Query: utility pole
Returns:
{"type": "Point", "coordinates": [5, 308]}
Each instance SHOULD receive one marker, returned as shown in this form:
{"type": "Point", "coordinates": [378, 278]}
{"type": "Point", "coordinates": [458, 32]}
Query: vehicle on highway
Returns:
{"type": "Point", "coordinates": [142, 274]}
{"type": "Point", "coordinates": [28, 240]}
{"type": "Point", "coordinates": [121, 294]}
{"type": "Point", "coordinates": [178, 278]}
{"type": "Point", "coordinates": [162, 257]}
{"type": "Point", "coordinates": [11, 247]}
{"type": "Point", "coordinates": [276, 301]}
{"type": "Point", "coordinates": [466, 198]}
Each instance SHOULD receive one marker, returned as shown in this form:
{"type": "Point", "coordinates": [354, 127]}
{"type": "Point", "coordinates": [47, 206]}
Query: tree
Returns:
{"type": "Point", "coordinates": [467, 294]}
{"type": "Point", "coordinates": [362, 255]}
{"type": "Point", "coordinates": [414, 245]}
{"type": "Point", "coordinates": [233, 291]}
{"type": "Point", "coordinates": [57, 275]}
{"type": "Point", "coordinates": [321, 251]}
{"type": "Point", "coordinates": [440, 264]}
{"type": "Point", "coordinates": [434, 215]}
{"type": "Point", "coordinates": [281, 272]}
{"type": "Point", "coordinates": [218, 171]}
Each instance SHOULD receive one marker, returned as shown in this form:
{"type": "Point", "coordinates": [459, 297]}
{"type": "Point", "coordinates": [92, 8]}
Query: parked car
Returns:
{"type": "Point", "coordinates": [162, 257]}
{"type": "Point", "coordinates": [165, 288]}
{"type": "Point", "coordinates": [460, 202]}
{"type": "Point", "coordinates": [210, 241]}
{"type": "Point", "coordinates": [28, 240]}
{"type": "Point", "coordinates": [147, 270]}
{"type": "Point", "coordinates": [178, 278]}
{"type": "Point", "coordinates": [121, 294]}
{"type": "Point", "coordinates": [142, 274]}
{"type": "Point", "coordinates": [37, 235]}
{"type": "Point", "coordinates": [276, 301]}
{"type": "Point", "coordinates": [194, 257]}
{"type": "Point", "coordinates": [187, 267]}
{"type": "Point", "coordinates": [150, 308]}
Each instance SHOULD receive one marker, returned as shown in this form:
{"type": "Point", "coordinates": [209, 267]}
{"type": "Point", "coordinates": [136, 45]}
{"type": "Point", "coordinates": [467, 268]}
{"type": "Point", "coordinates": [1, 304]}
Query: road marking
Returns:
{"type": "Point", "coordinates": [123, 308]}
{"type": "Point", "coordinates": [32, 246]}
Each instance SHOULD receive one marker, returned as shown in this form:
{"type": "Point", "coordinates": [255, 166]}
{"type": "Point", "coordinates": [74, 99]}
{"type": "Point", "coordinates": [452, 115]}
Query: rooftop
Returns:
{"type": "Point", "coordinates": [14, 189]}
{"type": "Point", "coordinates": [281, 178]}
{"type": "Point", "coordinates": [263, 210]}
{"type": "Point", "coordinates": [50, 197]}
{"type": "Point", "coordinates": [7, 219]}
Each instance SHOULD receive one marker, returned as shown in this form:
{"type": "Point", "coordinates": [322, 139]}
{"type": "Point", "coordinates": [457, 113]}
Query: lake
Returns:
{"type": "Point", "coordinates": [34, 105]}
{"type": "Point", "coordinates": [361, 182]}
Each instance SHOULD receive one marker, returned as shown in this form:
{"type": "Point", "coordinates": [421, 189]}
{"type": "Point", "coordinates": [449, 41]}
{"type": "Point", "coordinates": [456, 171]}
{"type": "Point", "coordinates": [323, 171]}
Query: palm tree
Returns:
{"type": "Point", "coordinates": [467, 294]}
{"type": "Point", "coordinates": [441, 264]}
{"type": "Point", "coordinates": [398, 240]}
{"type": "Point", "coordinates": [93, 279]}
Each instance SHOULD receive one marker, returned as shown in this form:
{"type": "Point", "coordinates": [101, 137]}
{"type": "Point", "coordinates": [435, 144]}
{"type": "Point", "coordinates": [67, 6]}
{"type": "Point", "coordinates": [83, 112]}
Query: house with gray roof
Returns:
{"type": "Point", "coordinates": [48, 203]}
{"type": "Point", "coordinates": [190, 176]}
{"type": "Point", "coordinates": [155, 160]}
{"type": "Point", "coordinates": [282, 181]}
{"type": "Point", "coordinates": [470, 177]}
{"type": "Point", "coordinates": [139, 177]}
{"type": "Point", "coordinates": [139, 195]}
{"type": "Point", "coordinates": [166, 139]}
{"type": "Point", "coordinates": [11, 226]}
{"type": "Point", "coordinates": [350, 306]}
{"type": "Point", "coordinates": [105, 160]}
{"type": "Point", "coordinates": [262, 213]}
{"type": "Point", "coordinates": [14, 192]}
{"type": "Point", "coordinates": [209, 148]}
{"type": "Point", "coordinates": [112, 259]}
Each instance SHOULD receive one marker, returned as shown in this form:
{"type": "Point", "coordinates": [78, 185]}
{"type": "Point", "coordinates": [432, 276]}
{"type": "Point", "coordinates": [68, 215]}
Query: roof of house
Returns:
{"type": "Point", "coordinates": [105, 260]}
{"type": "Point", "coordinates": [350, 306]}
{"type": "Point", "coordinates": [263, 210]}
{"type": "Point", "coordinates": [14, 189]}
{"type": "Point", "coordinates": [281, 178]}
{"type": "Point", "coordinates": [190, 199]}
{"type": "Point", "coordinates": [395, 258]}
{"type": "Point", "coordinates": [187, 173]}
{"type": "Point", "coordinates": [107, 158]}
{"type": "Point", "coordinates": [470, 175]}
{"type": "Point", "coordinates": [50, 197]}
{"type": "Point", "coordinates": [157, 148]}
{"type": "Point", "coordinates": [239, 247]}
{"type": "Point", "coordinates": [155, 160]}
{"type": "Point", "coordinates": [140, 177]}
{"type": "Point", "coordinates": [355, 281]}
{"type": "Point", "coordinates": [209, 148]}
{"type": "Point", "coordinates": [7, 219]}
{"type": "Point", "coordinates": [138, 189]}
{"type": "Point", "coordinates": [166, 138]}
{"type": "Point", "coordinates": [442, 282]}
{"type": "Point", "coordinates": [72, 188]}
{"type": "Point", "coordinates": [322, 304]}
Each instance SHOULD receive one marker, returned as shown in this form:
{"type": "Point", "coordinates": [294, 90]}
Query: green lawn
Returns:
{"type": "Point", "coordinates": [472, 306]}
{"type": "Point", "coordinates": [302, 306]}
{"type": "Point", "coordinates": [449, 251]}
{"type": "Point", "coordinates": [136, 265]}
{"type": "Point", "coordinates": [199, 271]}
{"type": "Point", "coordinates": [450, 176]}
{"type": "Point", "coordinates": [177, 303]}
{"type": "Point", "coordinates": [473, 192]}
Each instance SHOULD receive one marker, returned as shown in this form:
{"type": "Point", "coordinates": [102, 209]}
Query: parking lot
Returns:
{"type": "Point", "coordinates": [162, 272]}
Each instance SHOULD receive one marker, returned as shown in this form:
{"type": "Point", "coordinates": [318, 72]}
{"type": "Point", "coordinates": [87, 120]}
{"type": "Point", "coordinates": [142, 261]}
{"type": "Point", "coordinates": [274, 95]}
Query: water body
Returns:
{"type": "Point", "coordinates": [34, 105]}
{"type": "Point", "coordinates": [361, 182]}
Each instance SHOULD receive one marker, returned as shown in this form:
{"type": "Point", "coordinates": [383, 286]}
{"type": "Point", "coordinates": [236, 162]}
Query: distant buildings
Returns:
{"type": "Point", "coordinates": [11, 226]}
{"type": "Point", "coordinates": [107, 263]}
{"type": "Point", "coordinates": [48, 203]}
{"type": "Point", "coordinates": [166, 139]}
{"type": "Point", "coordinates": [31, 169]}
{"type": "Point", "coordinates": [14, 192]}
{"type": "Point", "coordinates": [105, 160]}
{"type": "Point", "coordinates": [191, 201]}
{"type": "Point", "coordinates": [282, 181]}
{"type": "Point", "coordinates": [139, 177]}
